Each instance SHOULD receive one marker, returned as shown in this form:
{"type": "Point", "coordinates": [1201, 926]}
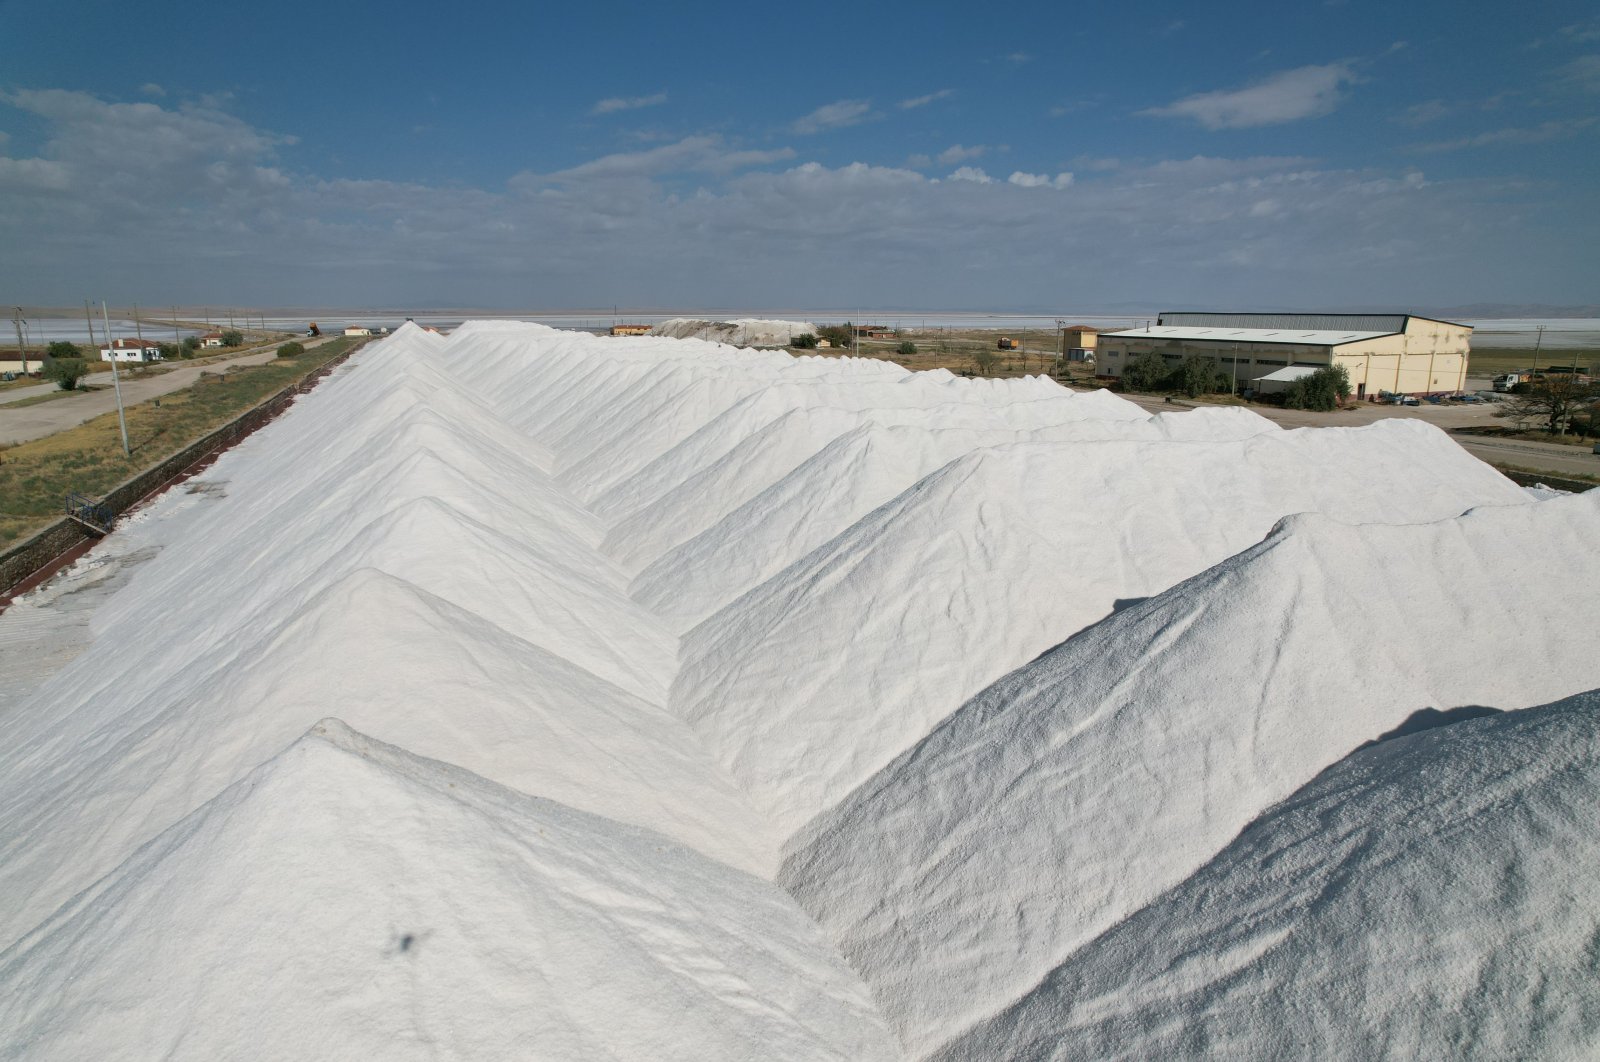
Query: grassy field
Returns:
{"type": "Point", "coordinates": [35, 476]}
{"type": "Point", "coordinates": [1492, 361]}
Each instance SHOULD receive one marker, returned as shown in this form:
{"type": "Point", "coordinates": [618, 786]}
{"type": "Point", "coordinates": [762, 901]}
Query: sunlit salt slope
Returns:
{"type": "Point", "coordinates": [349, 900]}
{"type": "Point", "coordinates": [484, 695]}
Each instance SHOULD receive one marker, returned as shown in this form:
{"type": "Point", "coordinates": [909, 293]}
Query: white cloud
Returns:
{"type": "Point", "coordinates": [1538, 134]}
{"type": "Point", "coordinates": [1018, 58]}
{"type": "Point", "coordinates": [956, 153]}
{"type": "Point", "coordinates": [628, 103]}
{"type": "Point", "coordinates": [1040, 180]}
{"type": "Point", "coordinates": [919, 162]}
{"type": "Point", "coordinates": [1423, 113]}
{"type": "Point", "coordinates": [695, 154]}
{"type": "Point", "coordinates": [1582, 73]}
{"type": "Point", "coordinates": [150, 88]}
{"type": "Point", "coordinates": [836, 115]}
{"type": "Point", "coordinates": [970, 173]}
{"type": "Point", "coordinates": [227, 217]}
{"type": "Point", "coordinates": [923, 101]}
{"type": "Point", "coordinates": [1289, 96]}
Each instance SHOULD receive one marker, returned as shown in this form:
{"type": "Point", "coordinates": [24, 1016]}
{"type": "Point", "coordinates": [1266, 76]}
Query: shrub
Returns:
{"type": "Point", "coordinates": [1197, 375]}
{"type": "Point", "coordinates": [839, 335]}
{"type": "Point", "coordinates": [1147, 372]}
{"type": "Point", "coordinates": [233, 338]}
{"type": "Point", "coordinates": [66, 372]}
{"type": "Point", "coordinates": [169, 351]}
{"type": "Point", "coordinates": [906, 348]}
{"type": "Point", "coordinates": [62, 349]}
{"type": "Point", "coordinates": [291, 349]}
{"type": "Point", "coordinates": [804, 342]}
{"type": "Point", "coordinates": [986, 360]}
{"type": "Point", "coordinates": [190, 345]}
{"type": "Point", "coordinates": [1323, 390]}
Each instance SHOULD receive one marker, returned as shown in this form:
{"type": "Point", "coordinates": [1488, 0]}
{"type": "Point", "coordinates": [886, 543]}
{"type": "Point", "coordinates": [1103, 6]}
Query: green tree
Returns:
{"type": "Point", "coordinates": [1323, 390]}
{"type": "Point", "coordinates": [907, 348]}
{"type": "Point", "coordinates": [838, 335]}
{"type": "Point", "coordinates": [66, 372]}
{"type": "Point", "coordinates": [1147, 372]}
{"type": "Point", "coordinates": [169, 351]}
{"type": "Point", "coordinates": [291, 349]}
{"type": "Point", "coordinates": [1197, 375]}
{"type": "Point", "coordinates": [190, 345]}
{"type": "Point", "coordinates": [805, 341]}
{"type": "Point", "coordinates": [62, 349]}
{"type": "Point", "coordinates": [986, 359]}
{"type": "Point", "coordinates": [233, 338]}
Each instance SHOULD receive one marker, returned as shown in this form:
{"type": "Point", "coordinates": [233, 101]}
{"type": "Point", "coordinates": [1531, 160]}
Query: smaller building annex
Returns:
{"type": "Point", "coordinates": [1393, 353]}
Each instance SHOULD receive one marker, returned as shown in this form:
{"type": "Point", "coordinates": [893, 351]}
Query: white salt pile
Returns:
{"type": "Point", "coordinates": [1419, 899]}
{"type": "Point", "coordinates": [739, 332]}
{"type": "Point", "coordinates": [726, 704]}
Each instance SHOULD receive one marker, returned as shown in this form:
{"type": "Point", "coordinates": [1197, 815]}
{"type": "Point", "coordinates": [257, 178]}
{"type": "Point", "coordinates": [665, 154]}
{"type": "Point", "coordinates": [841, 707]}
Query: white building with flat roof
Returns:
{"type": "Point", "coordinates": [131, 350]}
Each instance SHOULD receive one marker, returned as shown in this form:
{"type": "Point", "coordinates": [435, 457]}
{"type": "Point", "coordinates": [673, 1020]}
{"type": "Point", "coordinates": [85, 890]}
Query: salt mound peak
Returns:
{"type": "Point", "coordinates": [1433, 896]}
{"type": "Point", "coordinates": [315, 887]}
{"type": "Point", "coordinates": [1073, 791]}
{"type": "Point", "coordinates": [739, 332]}
{"type": "Point", "coordinates": [988, 562]}
{"type": "Point", "coordinates": [403, 665]}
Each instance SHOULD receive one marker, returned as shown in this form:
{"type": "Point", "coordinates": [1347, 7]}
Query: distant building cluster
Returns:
{"type": "Point", "coordinates": [1399, 354]}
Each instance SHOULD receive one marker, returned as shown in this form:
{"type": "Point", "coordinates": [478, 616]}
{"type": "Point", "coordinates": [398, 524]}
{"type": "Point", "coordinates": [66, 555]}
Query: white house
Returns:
{"type": "Point", "coordinates": [357, 330]}
{"type": "Point", "coordinates": [211, 339]}
{"type": "Point", "coordinates": [131, 350]}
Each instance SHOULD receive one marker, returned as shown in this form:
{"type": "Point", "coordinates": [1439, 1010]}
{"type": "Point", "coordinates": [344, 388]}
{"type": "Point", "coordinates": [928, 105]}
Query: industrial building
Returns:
{"type": "Point", "coordinates": [1383, 353]}
{"type": "Point", "coordinates": [1078, 342]}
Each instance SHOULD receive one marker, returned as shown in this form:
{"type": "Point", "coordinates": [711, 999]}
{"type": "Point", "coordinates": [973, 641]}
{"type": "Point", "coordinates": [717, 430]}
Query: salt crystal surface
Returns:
{"type": "Point", "coordinates": [628, 619]}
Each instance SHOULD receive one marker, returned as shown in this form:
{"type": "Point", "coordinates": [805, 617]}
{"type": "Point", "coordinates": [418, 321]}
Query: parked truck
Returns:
{"type": "Point", "coordinates": [1007, 343]}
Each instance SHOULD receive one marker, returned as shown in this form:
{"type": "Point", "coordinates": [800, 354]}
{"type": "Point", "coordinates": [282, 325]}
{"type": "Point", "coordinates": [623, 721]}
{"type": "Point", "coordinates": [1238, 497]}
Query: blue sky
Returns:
{"type": "Point", "coordinates": [1034, 156]}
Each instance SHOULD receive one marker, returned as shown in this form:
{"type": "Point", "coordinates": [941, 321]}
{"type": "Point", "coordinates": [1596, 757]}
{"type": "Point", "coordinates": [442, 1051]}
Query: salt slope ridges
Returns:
{"type": "Point", "coordinates": [369, 903]}
{"type": "Point", "coordinates": [1432, 897]}
{"type": "Point", "coordinates": [1073, 791]}
{"type": "Point", "coordinates": [683, 493]}
{"type": "Point", "coordinates": [823, 674]}
{"type": "Point", "coordinates": [867, 467]}
{"type": "Point", "coordinates": [400, 664]}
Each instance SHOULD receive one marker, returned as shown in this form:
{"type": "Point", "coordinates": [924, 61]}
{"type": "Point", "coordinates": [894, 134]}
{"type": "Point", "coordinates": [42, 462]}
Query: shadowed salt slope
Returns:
{"type": "Point", "coordinates": [1074, 791]}
{"type": "Point", "coordinates": [1432, 897]}
{"type": "Point", "coordinates": [350, 900]}
{"type": "Point", "coordinates": [823, 674]}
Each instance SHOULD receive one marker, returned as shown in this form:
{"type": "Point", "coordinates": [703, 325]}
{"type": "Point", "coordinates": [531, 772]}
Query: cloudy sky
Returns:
{"type": "Point", "coordinates": [1040, 156]}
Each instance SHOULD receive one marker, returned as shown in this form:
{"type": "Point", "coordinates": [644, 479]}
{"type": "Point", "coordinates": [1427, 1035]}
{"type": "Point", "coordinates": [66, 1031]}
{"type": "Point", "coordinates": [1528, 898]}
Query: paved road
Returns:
{"type": "Point", "coordinates": [47, 418]}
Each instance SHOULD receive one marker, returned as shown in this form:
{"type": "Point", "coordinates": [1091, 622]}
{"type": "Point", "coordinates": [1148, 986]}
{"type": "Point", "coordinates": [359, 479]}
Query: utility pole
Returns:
{"type": "Point", "coordinates": [138, 331]}
{"type": "Point", "coordinates": [88, 319]}
{"type": "Point", "coordinates": [1533, 366]}
{"type": "Point", "coordinates": [116, 381]}
{"type": "Point", "coordinates": [177, 340]}
{"type": "Point", "coordinates": [22, 348]}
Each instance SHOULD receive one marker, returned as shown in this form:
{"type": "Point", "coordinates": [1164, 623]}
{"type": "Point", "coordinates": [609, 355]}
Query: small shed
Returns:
{"type": "Point", "coordinates": [1279, 379]}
